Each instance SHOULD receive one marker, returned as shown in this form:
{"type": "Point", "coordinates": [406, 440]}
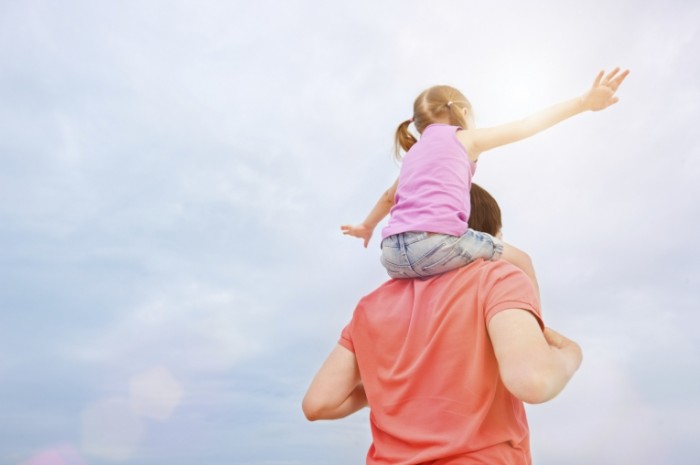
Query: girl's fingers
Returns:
{"type": "Point", "coordinates": [618, 80]}
{"type": "Point", "coordinates": [598, 78]}
{"type": "Point", "coordinates": [613, 78]}
{"type": "Point", "coordinates": [612, 74]}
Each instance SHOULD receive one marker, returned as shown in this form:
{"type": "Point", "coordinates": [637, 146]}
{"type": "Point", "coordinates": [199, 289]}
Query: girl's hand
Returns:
{"type": "Point", "coordinates": [358, 230]}
{"type": "Point", "coordinates": [602, 94]}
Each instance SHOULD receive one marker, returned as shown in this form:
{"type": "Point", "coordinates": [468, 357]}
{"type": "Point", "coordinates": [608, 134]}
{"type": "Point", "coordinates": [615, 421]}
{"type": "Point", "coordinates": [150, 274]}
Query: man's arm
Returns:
{"type": "Point", "coordinates": [336, 390]}
{"type": "Point", "coordinates": [535, 365]}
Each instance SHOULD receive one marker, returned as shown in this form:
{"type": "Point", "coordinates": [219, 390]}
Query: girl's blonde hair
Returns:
{"type": "Point", "coordinates": [431, 105]}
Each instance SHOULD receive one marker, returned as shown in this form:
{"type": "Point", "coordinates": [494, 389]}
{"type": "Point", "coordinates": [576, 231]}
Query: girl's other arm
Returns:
{"type": "Point", "coordinates": [365, 229]}
{"type": "Point", "coordinates": [600, 96]}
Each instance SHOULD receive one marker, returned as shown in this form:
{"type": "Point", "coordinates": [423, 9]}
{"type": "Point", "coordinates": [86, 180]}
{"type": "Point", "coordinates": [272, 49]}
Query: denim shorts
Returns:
{"type": "Point", "coordinates": [416, 254]}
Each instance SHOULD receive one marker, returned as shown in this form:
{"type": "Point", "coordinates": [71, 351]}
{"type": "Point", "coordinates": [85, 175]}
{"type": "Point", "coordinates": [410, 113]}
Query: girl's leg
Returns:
{"type": "Point", "coordinates": [522, 260]}
{"type": "Point", "coordinates": [417, 254]}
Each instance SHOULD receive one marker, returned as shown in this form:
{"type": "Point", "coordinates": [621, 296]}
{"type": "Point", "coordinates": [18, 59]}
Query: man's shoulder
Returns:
{"type": "Point", "coordinates": [480, 273]}
{"type": "Point", "coordinates": [495, 267]}
{"type": "Point", "coordinates": [491, 286]}
{"type": "Point", "coordinates": [389, 289]}
{"type": "Point", "coordinates": [483, 272]}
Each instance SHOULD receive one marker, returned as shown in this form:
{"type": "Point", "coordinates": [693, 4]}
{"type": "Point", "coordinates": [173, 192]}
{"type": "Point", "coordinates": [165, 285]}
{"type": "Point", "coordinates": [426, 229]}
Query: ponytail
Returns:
{"type": "Point", "coordinates": [456, 114]}
{"type": "Point", "coordinates": [404, 140]}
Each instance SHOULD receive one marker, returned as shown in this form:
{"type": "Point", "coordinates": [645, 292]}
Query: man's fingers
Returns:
{"type": "Point", "coordinates": [553, 338]}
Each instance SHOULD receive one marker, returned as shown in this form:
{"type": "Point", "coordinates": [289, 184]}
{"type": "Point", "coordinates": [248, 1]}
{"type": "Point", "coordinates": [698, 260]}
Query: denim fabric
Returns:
{"type": "Point", "coordinates": [420, 254]}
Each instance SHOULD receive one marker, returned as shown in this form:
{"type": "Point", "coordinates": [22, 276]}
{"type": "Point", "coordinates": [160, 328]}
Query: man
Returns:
{"type": "Point", "coordinates": [445, 364]}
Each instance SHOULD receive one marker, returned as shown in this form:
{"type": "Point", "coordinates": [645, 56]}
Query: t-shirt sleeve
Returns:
{"type": "Point", "coordinates": [507, 287]}
{"type": "Point", "coordinates": [346, 338]}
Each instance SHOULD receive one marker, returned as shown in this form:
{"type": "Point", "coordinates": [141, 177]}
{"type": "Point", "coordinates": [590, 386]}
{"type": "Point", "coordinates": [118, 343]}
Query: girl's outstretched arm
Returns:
{"type": "Point", "coordinates": [365, 229]}
{"type": "Point", "coordinates": [600, 96]}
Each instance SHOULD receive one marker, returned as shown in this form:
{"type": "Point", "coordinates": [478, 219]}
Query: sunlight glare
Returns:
{"type": "Point", "coordinates": [527, 82]}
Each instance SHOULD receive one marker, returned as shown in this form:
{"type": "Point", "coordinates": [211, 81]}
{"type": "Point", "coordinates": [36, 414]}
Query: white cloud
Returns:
{"type": "Point", "coordinates": [191, 329]}
{"type": "Point", "coordinates": [110, 430]}
{"type": "Point", "coordinates": [601, 418]}
{"type": "Point", "coordinates": [155, 393]}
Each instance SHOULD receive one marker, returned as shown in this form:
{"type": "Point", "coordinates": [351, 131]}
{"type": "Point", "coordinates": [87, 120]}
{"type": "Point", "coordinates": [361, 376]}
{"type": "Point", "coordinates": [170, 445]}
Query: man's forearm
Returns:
{"type": "Point", "coordinates": [565, 362]}
{"type": "Point", "coordinates": [357, 400]}
{"type": "Point", "coordinates": [564, 359]}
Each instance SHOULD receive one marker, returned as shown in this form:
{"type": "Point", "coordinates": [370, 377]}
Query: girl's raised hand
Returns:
{"type": "Point", "coordinates": [602, 93]}
{"type": "Point", "coordinates": [358, 230]}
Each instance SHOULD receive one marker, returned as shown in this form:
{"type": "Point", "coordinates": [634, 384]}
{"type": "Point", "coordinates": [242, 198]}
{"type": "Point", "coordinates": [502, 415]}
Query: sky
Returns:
{"type": "Point", "coordinates": [173, 175]}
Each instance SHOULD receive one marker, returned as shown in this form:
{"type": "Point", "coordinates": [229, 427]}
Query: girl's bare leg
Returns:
{"type": "Point", "coordinates": [523, 261]}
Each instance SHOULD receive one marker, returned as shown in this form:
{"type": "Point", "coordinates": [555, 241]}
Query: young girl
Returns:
{"type": "Point", "coordinates": [428, 231]}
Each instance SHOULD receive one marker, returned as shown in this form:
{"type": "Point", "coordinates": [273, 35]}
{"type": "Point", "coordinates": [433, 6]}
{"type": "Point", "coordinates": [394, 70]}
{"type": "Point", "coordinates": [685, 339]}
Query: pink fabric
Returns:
{"type": "Point", "coordinates": [434, 183]}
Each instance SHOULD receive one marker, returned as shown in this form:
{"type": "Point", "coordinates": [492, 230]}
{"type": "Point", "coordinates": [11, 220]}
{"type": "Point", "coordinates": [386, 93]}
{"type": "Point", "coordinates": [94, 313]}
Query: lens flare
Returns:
{"type": "Point", "coordinates": [154, 394]}
{"type": "Point", "coordinates": [58, 455]}
{"type": "Point", "coordinates": [111, 430]}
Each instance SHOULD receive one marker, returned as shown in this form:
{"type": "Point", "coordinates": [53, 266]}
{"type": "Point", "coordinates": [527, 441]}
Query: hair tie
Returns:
{"type": "Point", "coordinates": [449, 104]}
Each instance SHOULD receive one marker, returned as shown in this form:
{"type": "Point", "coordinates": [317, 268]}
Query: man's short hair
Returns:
{"type": "Point", "coordinates": [485, 213]}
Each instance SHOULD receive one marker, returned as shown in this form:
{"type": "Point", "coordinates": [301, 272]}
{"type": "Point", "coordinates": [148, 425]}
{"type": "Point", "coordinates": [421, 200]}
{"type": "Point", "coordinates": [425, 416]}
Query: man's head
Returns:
{"type": "Point", "coordinates": [485, 213]}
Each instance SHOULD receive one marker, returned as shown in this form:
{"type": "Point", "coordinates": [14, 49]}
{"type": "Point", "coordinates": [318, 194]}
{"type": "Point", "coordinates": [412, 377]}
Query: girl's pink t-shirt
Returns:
{"type": "Point", "coordinates": [434, 184]}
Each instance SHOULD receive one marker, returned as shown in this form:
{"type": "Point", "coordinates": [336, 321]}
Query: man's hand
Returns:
{"type": "Point", "coordinates": [571, 352]}
{"type": "Point", "coordinates": [602, 93]}
{"type": "Point", "coordinates": [358, 230]}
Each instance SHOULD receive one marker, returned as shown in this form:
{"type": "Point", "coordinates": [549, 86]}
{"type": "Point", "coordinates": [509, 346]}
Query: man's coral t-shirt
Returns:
{"type": "Point", "coordinates": [429, 370]}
